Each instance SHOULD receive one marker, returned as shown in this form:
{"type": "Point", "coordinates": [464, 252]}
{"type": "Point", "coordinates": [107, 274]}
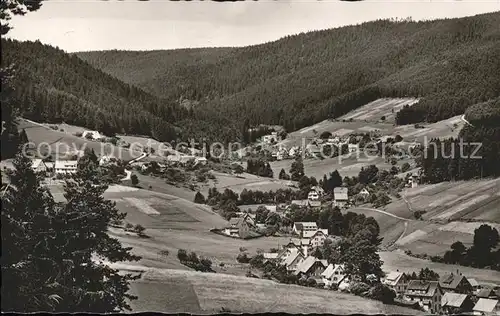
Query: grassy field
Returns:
{"type": "Point", "coordinates": [195, 292]}
{"type": "Point", "coordinates": [174, 223]}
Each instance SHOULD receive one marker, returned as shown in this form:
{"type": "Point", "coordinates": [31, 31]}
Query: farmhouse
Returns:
{"type": "Point", "coordinates": [299, 227]}
{"type": "Point", "coordinates": [456, 283]}
{"type": "Point", "coordinates": [65, 166]}
{"type": "Point", "coordinates": [454, 303]}
{"type": "Point", "coordinates": [272, 138]}
{"type": "Point", "coordinates": [487, 307]}
{"type": "Point", "coordinates": [397, 281]}
{"type": "Point", "coordinates": [92, 135]}
{"type": "Point", "coordinates": [334, 274]}
{"type": "Point", "coordinates": [240, 226]}
{"type": "Point", "coordinates": [38, 165]}
{"type": "Point", "coordinates": [317, 238]}
{"type": "Point", "coordinates": [315, 193]}
{"type": "Point", "coordinates": [311, 267]}
{"type": "Point", "coordinates": [364, 193]}
{"type": "Point", "coordinates": [293, 259]}
{"type": "Point", "coordinates": [341, 197]}
{"type": "Point", "coordinates": [428, 294]}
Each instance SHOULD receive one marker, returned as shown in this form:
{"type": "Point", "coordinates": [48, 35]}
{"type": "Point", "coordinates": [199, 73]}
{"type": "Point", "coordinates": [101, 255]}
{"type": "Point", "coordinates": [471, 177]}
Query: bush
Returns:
{"type": "Point", "coordinates": [243, 258]}
{"type": "Point", "coordinates": [182, 255]}
{"type": "Point", "coordinates": [134, 179]}
{"type": "Point", "coordinates": [78, 134]}
{"type": "Point", "coordinates": [382, 293]}
{"type": "Point", "coordinates": [129, 226]}
{"type": "Point", "coordinates": [139, 229]}
{"type": "Point", "coordinates": [359, 288]}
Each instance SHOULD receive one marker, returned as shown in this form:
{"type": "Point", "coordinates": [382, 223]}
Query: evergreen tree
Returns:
{"type": "Point", "coordinates": [199, 198]}
{"type": "Point", "coordinates": [49, 249]}
{"type": "Point", "coordinates": [297, 169]}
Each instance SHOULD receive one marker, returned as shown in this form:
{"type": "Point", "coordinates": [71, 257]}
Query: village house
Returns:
{"type": "Point", "coordinates": [334, 274]}
{"type": "Point", "coordinates": [310, 267]}
{"type": "Point", "coordinates": [397, 281]}
{"type": "Point", "coordinates": [364, 193]}
{"type": "Point", "coordinates": [486, 307]}
{"type": "Point", "coordinates": [299, 227]}
{"type": "Point", "coordinates": [272, 138]}
{"type": "Point", "coordinates": [63, 167]}
{"type": "Point", "coordinates": [301, 243]}
{"type": "Point", "coordinates": [456, 283]}
{"type": "Point", "coordinates": [317, 238]}
{"type": "Point", "coordinates": [240, 226]}
{"type": "Point", "coordinates": [315, 193]}
{"type": "Point", "coordinates": [38, 165]}
{"type": "Point", "coordinates": [293, 259]}
{"type": "Point", "coordinates": [340, 196]}
{"type": "Point", "coordinates": [92, 135]}
{"type": "Point", "coordinates": [454, 303]}
{"type": "Point", "coordinates": [352, 148]}
{"type": "Point", "coordinates": [427, 294]}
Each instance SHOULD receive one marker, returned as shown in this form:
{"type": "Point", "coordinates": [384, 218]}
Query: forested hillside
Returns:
{"type": "Point", "coordinates": [302, 79]}
{"type": "Point", "coordinates": [447, 161]}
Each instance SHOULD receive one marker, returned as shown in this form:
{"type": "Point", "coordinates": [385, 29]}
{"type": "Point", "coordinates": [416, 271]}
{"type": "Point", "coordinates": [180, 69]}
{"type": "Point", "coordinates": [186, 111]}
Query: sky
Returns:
{"type": "Point", "coordinates": [84, 25]}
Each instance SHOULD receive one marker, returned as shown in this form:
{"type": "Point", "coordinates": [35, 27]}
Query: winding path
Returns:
{"type": "Point", "coordinates": [383, 212]}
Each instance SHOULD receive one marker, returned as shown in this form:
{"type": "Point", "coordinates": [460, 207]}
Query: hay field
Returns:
{"type": "Point", "coordinates": [476, 199]}
{"type": "Point", "coordinates": [209, 293]}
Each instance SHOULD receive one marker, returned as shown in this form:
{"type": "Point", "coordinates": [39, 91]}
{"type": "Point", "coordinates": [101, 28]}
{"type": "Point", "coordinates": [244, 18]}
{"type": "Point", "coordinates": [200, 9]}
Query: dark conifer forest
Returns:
{"type": "Point", "coordinates": [299, 80]}
{"type": "Point", "coordinates": [302, 79]}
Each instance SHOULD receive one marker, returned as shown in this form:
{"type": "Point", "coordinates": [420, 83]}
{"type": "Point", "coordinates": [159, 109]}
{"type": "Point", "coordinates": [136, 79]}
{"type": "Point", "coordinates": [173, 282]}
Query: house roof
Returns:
{"type": "Point", "coordinates": [66, 164]}
{"type": "Point", "coordinates": [294, 254]}
{"type": "Point", "coordinates": [419, 285]}
{"type": "Point", "coordinates": [311, 234]}
{"type": "Point", "coordinates": [451, 281]}
{"type": "Point", "coordinates": [301, 224]}
{"type": "Point", "coordinates": [473, 282]}
{"type": "Point", "coordinates": [270, 255]}
{"type": "Point", "coordinates": [485, 305]}
{"type": "Point", "coordinates": [453, 299]}
{"type": "Point", "coordinates": [486, 293]}
{"type": "Point", "coordinates": [340, 194]}
{"type": "Point", "coordinates": [300, 202]}
{"type": "Point", "coordinates": [331, 269]}
{"type": "Point", "coordinates": [307, 264]}
{"type": "Point", "coordinates": [315, 203]}
{"type": "Point", "coordinates": [393, 278]}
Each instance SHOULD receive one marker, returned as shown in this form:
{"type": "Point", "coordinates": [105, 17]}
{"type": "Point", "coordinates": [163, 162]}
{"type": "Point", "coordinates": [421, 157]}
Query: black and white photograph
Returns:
{"type": "Point", "coordinates": [274, 156]}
